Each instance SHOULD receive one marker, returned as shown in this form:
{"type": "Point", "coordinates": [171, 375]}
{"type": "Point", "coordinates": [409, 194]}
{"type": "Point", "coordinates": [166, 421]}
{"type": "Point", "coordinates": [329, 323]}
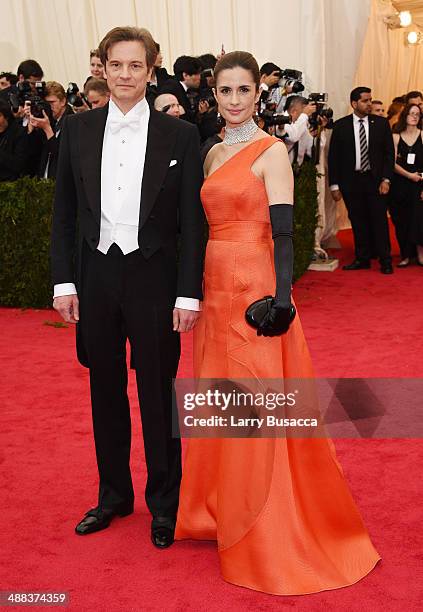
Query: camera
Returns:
{"type": "Point", "coordinates": [74, 97]}
{"type": "Point", "coordinates": [271, 118]}
{"type": "Point", "coordinates": [322, 110]}
{"type": "Point", "coordinates": [207, 73]}
{"type": "Point", "coordinates": [208, 97]}
{"type": "Point", "coordinates": [291, 78]}
{"type": "Point", "coordinates": [25, 95]}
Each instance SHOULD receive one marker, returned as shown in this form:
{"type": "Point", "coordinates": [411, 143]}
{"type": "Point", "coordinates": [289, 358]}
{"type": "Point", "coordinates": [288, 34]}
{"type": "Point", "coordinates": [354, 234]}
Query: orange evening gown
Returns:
{"type": "Point", "coordinates": [280, 509]}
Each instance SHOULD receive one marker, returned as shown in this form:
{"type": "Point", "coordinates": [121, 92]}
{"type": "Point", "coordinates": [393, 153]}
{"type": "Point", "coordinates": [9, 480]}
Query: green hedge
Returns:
{"type": "Point", "coordinates": [25, 222]}
{"type": "Point", "coordinates": [305, 217]}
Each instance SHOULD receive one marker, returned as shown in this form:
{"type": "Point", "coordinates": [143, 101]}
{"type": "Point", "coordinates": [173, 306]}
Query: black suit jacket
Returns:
{"type": "Point", "coordinates": [13, 151]}
{"type": "Point", "coordinates": [174, 87]}
{"type": "Point", "coordinates": [341, 159]}
{"type": "Point", "coordinates": [170, 198]}
{"type": "Point", "coordinates": [50, 150]}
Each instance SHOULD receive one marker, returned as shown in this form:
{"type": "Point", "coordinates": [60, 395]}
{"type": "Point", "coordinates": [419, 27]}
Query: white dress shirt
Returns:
{"type": "Point", "coordinates": [122, 168]}
{"type": "Point", "coordinates": [356, 126]}
{"type": "Point", "coordinates": [295, 130]}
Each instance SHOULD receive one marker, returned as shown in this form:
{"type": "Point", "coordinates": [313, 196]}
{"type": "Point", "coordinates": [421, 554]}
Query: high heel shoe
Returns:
{"type": "Point", "coordinates": [404, 263]}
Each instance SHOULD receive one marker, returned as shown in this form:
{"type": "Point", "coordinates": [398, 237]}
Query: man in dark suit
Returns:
{"type": "Point", "coordinates": [187, 80]}
{"type": "Point", "coordinates": [13, 144]}
{"type": "Point", "coordinates": [128, 179]}
{"type": "Point", "coordinates": [361, 164]}
{"type": "Point", "coordinates": [56, 97]}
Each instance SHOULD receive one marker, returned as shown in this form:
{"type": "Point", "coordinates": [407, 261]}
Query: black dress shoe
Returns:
{"type": "Point", "coordinates": [97, 519]}
{"type": "Point", "coordinates": [387, 269]}
{"type": "Point", "coordinates": [357, 265]}
{"type": "Point", "coordinates": [162, 531]}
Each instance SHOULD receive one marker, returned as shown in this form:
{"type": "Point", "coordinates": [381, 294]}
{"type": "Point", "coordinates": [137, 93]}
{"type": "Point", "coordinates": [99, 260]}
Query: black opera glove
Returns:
{"type": "Point", "coordinates": [277, 321]}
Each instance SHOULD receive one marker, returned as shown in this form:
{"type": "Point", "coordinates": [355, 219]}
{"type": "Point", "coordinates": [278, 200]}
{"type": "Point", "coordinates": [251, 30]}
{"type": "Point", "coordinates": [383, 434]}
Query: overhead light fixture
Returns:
{"type": "Point", "coordinates": [405, 19]}
{"type": "Point", "coordinates": [413, 38]}
{"type": "Point", "coordinates": [398, 20]}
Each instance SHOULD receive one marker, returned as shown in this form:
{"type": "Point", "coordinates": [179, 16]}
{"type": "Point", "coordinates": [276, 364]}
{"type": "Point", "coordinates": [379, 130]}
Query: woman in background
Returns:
{"type": "Point", "coordinates": [406, 207]}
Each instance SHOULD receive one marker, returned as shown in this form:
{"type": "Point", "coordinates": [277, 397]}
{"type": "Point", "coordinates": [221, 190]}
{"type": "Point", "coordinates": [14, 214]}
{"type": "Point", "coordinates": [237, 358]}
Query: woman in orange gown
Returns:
{"type": "Point", "coordinates": [280, 508]}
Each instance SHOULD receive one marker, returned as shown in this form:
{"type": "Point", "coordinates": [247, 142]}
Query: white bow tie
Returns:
{"type": "Point", "coordinates": [120, 122]}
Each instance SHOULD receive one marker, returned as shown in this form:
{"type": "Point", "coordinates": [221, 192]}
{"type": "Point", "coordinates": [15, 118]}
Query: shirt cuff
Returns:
{"type": "Point", "coordinates": [188, 303]}
{"type": "Point", "coordinates": [264, 87]}
{"type": "Point", "coordinates": [64, 289]}
{"type": "Point", "coordinates": [334, 187]}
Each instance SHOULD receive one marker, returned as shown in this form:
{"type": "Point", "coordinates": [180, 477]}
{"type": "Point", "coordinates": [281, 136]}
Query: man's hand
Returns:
{"type": "Point", "coordinates": [270, 79]}
{"type": "Point", "coordinates": [337, 195]}
{"type": "Point", "coordinates": [42, 123]}
{"type": "Point", "coordinates": [309, 109]}
{"type": "Point", "coordinates": [384, 188]}
{"type": "Point", "coordinates": [82, 108]}
{"type": "Point", "coordinates": [68, 307]}
{"type": "Point", "coordinates": [185, 320]}
{"type": "Point", "coordinates": [203, 107]}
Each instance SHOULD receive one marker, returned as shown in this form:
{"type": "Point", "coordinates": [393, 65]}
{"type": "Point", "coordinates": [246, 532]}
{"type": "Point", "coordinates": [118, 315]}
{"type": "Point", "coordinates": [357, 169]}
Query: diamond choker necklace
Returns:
{"type": "Point", "coordinates": [240, 134]}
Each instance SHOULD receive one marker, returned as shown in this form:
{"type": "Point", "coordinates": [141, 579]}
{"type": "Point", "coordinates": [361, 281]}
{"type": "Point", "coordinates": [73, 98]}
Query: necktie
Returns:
{"type": "Point", "coordinates": [364, 151]}
{"type": "Point", "coordinates": [119, 122]}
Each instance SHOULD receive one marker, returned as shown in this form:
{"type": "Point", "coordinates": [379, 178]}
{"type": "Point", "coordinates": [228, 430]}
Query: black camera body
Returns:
{"type": "Point", "coordinates": [72, 96]}
{"type": "Point", "coordinates": [25, 94]}
{"type": "Point", "coordinates": [291, 78]}
{"type": "Point", "coordinates": [271, 118]}
{"type": "Point", "coordinates": [322, 110]}
{"type": "Point", "coordinates": [206, 96]}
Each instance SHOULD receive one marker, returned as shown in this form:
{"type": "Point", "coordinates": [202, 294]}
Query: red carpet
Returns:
{"type": "Point", "coordinates": [357, 324]}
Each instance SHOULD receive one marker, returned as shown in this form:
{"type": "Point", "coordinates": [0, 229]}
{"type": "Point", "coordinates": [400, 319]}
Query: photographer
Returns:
{"type": "Point", "coordinates": [185, 86]}
{"type": "Point", "coordinates": [296, 134]}
{"type": "Point", "coordinates": [168, 103]}
{"type": "Point", "coordinates": [270, 74]}
{"type": "Point", "coordinates": [97, 93]}
{"type": "Point", "coordinates": [51, 126]}
{"type": "Point", "coordinates": [13, 144]}
{"type": "Point", "coordinates": [31, 71]}
{"type": "Point", "coordinates": [8, 82]}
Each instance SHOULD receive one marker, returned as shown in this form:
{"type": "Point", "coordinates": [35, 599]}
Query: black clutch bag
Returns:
{"type": "Point", "coordinates": [256, 311]}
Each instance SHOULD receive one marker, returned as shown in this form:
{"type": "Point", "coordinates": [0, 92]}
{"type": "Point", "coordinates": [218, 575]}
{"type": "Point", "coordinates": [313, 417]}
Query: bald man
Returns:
{"type": "Point", "coordinates": [168, 103]}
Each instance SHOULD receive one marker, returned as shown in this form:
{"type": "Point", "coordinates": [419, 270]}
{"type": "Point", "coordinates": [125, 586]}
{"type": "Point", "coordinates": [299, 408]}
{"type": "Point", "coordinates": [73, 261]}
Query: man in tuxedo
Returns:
{"type": "Point", "coordinates": [128, 180]}
{"type": "Point", "coordinates": [361, 164]}
{"type": "Point", "coordinates": [187, 77]}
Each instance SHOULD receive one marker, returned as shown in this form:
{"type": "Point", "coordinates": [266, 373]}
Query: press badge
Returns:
{"type": "Point", "coordinates": [411, 158]}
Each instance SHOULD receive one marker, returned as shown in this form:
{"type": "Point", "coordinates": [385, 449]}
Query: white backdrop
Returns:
{"type": "Point", "coordinates": [321, 37]}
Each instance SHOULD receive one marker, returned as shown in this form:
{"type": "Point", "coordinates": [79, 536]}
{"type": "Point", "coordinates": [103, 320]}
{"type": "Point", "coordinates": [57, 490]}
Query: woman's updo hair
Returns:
{"type": "Point", "coordinates": [238, 59]}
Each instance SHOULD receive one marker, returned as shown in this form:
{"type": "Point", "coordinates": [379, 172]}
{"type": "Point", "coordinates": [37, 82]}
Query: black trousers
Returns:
{"type": "Point", "coordinates": [125, 297]}
{"type": "Point", "coordinates": [367, 213]}
{"type": "Point", "coordinates": [404, 195]}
